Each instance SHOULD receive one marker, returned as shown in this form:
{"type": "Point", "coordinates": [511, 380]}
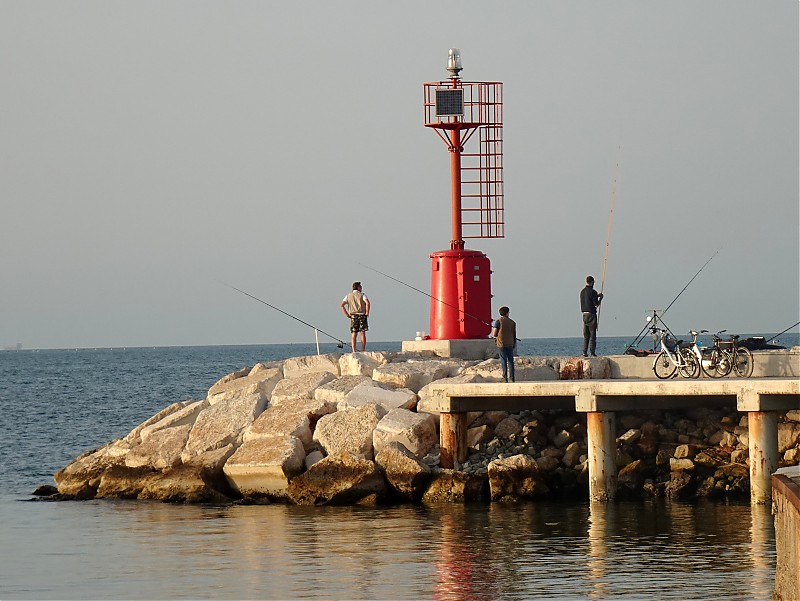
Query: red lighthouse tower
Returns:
{"type": "Point", "coordinates": [461, 292]}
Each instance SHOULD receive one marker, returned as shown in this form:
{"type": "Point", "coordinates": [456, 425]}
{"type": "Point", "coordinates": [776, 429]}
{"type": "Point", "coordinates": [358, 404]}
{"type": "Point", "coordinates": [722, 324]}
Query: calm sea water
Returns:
{"type": "Point", "coordinates": [56, 404]}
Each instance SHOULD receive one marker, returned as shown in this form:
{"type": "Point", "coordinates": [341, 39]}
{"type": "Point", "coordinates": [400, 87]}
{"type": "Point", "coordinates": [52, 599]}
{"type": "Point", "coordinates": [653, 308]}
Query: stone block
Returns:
{"type": "Point", "coordinates": [415, 431]}
{"type": "Point", "coordinates": [412, 375]}
{"type": "Point", "coordinates": [263, 467]}
{"type": "Point", "coordinates": [301, 366]}
{"type": "Point", "coordinates": [259, 380]}
{"type": "Point", "coordinates": [223, 423]}
{"type": "Point", "coordinates": [360, 364]}
{"type": "Point", "coordinates": [368, 393]}
{"type": "Point", "coordinates": [300, 385]}
{"type": "Point", "coordinates": [336, 390]}
{"type": "Point", "coordinates": [349, 431]}
{"type": "Point", "coordinates": [160, 450]}
{"type": "Point", "coordinates": [289, 419]}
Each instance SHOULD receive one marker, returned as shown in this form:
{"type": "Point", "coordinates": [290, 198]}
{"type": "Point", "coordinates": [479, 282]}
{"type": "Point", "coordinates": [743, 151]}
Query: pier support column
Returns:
{"type": "Point", "coordinates": [763, 446]}
{"type": "Point", "coordinates": [452, 439]}
{"type": "Point", "coordinates": [602, 443]}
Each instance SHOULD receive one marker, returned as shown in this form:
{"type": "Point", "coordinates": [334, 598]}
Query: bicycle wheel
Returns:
{"type": "Point", "coordinates": [663, 367]}
{"type": "Point", "coordinates": [743, 362]}
{"type": "Point", "coordinates": [688, 367]}
{"type": "Point", "coordinates": [710, 364]}
{"type": "Point", "coordinates": [725, 364]}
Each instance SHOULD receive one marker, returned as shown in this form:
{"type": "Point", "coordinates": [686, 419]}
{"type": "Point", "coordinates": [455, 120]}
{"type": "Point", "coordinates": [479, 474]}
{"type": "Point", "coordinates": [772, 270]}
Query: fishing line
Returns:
{"type": "Point", "coordinates": [608, 235]}
{"type": "Point", "coordinates": [263, 302]}
{"type": "Point", "coordinates": [640, 336]}
{"type": "Point", "coordinates": [426, 294]}
{"type": "Point", "coordinates": [781, 333]}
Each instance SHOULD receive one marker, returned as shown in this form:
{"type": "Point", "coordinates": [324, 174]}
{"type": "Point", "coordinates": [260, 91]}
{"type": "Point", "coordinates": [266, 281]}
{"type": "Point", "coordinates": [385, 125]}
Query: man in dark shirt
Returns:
{"type": "Point", "coordinates": [504, 331]}
{"type": "Point", "coordinates": [590, 301]}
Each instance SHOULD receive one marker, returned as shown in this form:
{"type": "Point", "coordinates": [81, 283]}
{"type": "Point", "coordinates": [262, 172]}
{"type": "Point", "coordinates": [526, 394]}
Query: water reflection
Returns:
{"type": "Point", "coordinates": [598, 549]}
{"type": "Point", "coordinates": [524, 551]}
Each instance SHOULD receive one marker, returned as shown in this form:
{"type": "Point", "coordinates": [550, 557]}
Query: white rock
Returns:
{"type": "Point", "coordinates": [259, 380]}
{"type": "Point", "coordinates": [300, 386]}
{"type": "Point", "coordinates": [288, 419]}
{"type": "Point", "coordinates": [262, 467]}
{"type": "Point", "coordinates": [411, 375]}
{"type": "Point", "coordinates": [416, 432]}
{"type": "Point", "coordinates": [360, 364]}
{"type": "Point", "coordinates": [300, 366]}
{"type": "Point", "coordinates": [336, 390]}
{"type": "Point", "coordinates": [160, 450]}
{"type": "Point", "coordinates": [368, 393]}
{"type": "Point", "coordinates": [349, 431]}
{"type": "Point", "coordinates": [182, 417]}
{"type": "Point", "coordinates": [223, 424]}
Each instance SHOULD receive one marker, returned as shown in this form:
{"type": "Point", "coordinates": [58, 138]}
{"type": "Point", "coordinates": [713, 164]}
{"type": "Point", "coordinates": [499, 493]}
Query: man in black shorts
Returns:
{"type": "Point", "coordinates": [356, 307]}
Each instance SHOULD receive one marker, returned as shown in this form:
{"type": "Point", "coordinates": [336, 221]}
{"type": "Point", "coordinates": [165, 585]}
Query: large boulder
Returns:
{"type": "Point", "coordinates": [415, 431]}
{"type": "Point", "coordinates": [368, 393]}
{"type": "Point", "coordinates": [788, 435]}
{"type": "Point", "coordinates": [361, 364]}
{"type": "Point", "coordinates": [261, 379]}
{"type": "Point", "coordinates": [262, 467]}
{"type": "Point", "coordinates": [301, 385]}
{"type": "Point", "coordinates": [160, 450]}
{"type": "Point", "coordinates": [349, 431]}
{"type": "Point", "coordinates": [223, 423]}
{"type": "Point", "coordinates": [342, 479]}
{"type": "Point", "coordinates": [451, 486]}
{"type": "Point", "coordinates": [336, 390]}
{"type": "Point", "coordinates": [201, 480]}
{"type": "Point", "coordinates": [135, 435]}
{"type": "Point", "coordinates": [81, 478]}
{"type": "Point", "coordinates": [412, 375]}
{"type": "Point", "coordinates": [300, 366]}
{"type": "Point", "coordinates": [405, 473]}
{"type": "Point", "coordinates": [514, 478]}
{"type": "Point", "coordinates": [185, 416]}
{"type": "Point", "coordinates": [289, 419]}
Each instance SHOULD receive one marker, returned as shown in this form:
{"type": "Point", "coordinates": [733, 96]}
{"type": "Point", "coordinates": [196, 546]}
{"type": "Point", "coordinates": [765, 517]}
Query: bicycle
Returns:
{"type": "Point", "coordinates": [733, 357]}
{"type": "Point", "coordinates": [712, 360]}
{"type": "Point", "coordinates": [675, 357]}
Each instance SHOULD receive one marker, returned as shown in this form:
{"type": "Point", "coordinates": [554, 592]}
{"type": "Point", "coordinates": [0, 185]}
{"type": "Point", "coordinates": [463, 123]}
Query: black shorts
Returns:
{"type": "Point", "coordinates": [358, 323]}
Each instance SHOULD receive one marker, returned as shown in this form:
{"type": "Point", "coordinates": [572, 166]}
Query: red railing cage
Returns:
{"type": "Point", "coordinates": [455, 110]}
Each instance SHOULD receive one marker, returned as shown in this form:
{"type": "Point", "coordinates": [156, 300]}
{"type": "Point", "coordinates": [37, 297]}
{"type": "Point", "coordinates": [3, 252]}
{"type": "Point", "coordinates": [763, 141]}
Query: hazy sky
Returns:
{"type": "Point", "coordinates": [151, 150]}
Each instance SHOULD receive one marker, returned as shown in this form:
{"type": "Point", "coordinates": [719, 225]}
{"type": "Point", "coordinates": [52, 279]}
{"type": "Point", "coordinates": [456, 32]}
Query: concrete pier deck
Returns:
{"type": "Point", "coordinates": [760, 398]}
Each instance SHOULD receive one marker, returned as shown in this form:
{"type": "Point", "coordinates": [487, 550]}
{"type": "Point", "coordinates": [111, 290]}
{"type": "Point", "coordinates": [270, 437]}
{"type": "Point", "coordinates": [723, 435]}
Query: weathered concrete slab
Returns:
{"type": "Point", "coordinates": [750, 394]}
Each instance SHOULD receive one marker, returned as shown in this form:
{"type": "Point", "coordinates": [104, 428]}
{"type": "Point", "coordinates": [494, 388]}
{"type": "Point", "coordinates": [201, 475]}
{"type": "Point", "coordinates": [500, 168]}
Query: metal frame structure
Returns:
{"type": "Point", "coordinates": [477, 183]}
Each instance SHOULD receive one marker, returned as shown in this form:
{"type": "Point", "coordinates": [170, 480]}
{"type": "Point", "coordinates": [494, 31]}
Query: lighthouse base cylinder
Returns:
{"type": "Point", "coordinates": [461, 291]}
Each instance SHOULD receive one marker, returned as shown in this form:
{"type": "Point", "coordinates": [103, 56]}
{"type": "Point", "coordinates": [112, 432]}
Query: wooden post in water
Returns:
{"type": "Point", "coordinates": [762, 433]}
{"type": "Point", "coordinates": [600, 433]}
{"type": "Point", "coordinates": [452, 439]}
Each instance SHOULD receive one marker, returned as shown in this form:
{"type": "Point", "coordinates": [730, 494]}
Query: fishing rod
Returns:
{"type": "Point", "coordinates": [438, 300]}
{"type": "Point", "coordinates": [608, 234]}
{"type": "Point", "coordinates": [340, 343]}
{"type": "Point", "coordinates": [640, 336]}
{"type": "Point", "coordinates": [786, 330]}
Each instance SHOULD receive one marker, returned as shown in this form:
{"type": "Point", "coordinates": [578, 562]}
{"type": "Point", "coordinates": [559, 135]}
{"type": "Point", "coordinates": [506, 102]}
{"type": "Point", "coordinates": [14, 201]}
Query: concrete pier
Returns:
{"type": "Point", "coordinates": [763, 447]}
{"type": "Point", "coordinates": [599, 399]}
{"type": "Point", "coordinates": [601, 439]}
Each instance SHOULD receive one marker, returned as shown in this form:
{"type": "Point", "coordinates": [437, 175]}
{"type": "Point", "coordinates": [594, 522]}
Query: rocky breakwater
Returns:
{"type": "Point", "coordinates": [353, 428]}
